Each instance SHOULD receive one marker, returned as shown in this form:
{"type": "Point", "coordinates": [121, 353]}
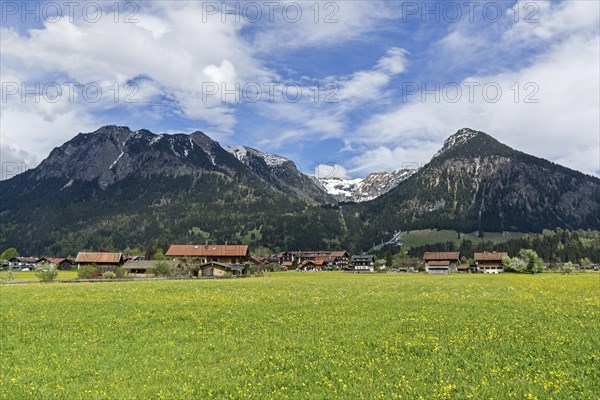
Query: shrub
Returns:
{"type": "Point", "coordinates": [162, 269]}
{"type": "Point", "coordinates": [533, 262]}
{"type": "Point", "coordinates": [109, 275]}
{"type": "Point", "coordinates": [87, 272]}
{"type": "Point", "coordinates": [120, 273]}
{"type": "Point", "coordinates": [6, 276]}
{"type": "Point", "coordinates": [46, 271]}
{"type": "Point", "coordinates": [568, 268]}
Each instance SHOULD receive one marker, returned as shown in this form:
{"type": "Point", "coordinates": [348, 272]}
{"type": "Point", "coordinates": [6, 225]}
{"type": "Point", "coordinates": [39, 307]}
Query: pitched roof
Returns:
{"type": "Point", "coordinates": [201, 250]}
{"type": "Point", "coordinates": [98, 257]}
{"type": "Point", "coordinates": [439, 263]}
{"type": "Point", "coordinates": [489, 256]}
{"type": "Point", "coordinates": [463, 267]}
{"type": "Point", "coordinates": [340, 253]}
{"type": "Point", "coordinates": [441, 255]}
{"type": "Point", "coordinates": [54, 260]}
{"type": "Point", "coordinates": [363, 257]}
{"type": "Point", "coordinates": [24, 259]}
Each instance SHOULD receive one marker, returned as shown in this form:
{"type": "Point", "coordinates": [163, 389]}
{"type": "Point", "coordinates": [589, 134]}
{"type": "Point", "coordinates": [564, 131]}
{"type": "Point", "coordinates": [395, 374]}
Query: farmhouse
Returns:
{"type": "Point", "coordinates": [22, 262]}
{"type": "Point", "coordinates": [105, 261]}
{"type": "Point", "coordinates": [312, 265]}
{"type": "Point", "coordinates": [489, 263]}
{"type": "Point", "coordinates": [362, 263]}
{"type": "Point", "coordinates": [441, 262]}
{"type": "Point", "coordinates": [210, 253]}
{"type": "Point", "coordinates": [334, 259]}
{"type": "Point", "coordinates": [63, 264]}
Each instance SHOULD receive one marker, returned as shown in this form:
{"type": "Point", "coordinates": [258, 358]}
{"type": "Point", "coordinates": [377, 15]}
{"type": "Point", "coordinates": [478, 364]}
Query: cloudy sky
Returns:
{"type": "Point", "coordinates": [369, 86]}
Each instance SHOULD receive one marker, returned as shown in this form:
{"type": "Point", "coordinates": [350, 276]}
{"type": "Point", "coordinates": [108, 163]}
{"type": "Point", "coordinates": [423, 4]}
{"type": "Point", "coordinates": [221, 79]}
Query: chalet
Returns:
{"type": "Point", "coordinates": [334, 259]}
{"type": "Point", "coordinates": [210, 253]}
{"type": "Point", "coordinates": [145, 267]}
{"type": "Point", "coordinates": [489, 263]}
{"type": "Point", "coordinates": [63, 264]}
{"type": "Point", "coordinates": [284, 257]}
{"type": "Point", "coordinates": [22, 262]}
{"type": "Point", "coordinates": [105, 261]}
{"type": "Point", "coordinates": [216, 269]}
{"type": "Point", "coordinates": [312, 265]}
{"type": "Point", "coordinates": [441, 262]}
{"type": "Point", "coordinates": [362, 263]}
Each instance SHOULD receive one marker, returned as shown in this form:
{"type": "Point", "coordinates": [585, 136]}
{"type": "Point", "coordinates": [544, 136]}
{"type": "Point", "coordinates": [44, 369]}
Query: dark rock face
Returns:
{"type": "Point", "coordinates": [282, 173]}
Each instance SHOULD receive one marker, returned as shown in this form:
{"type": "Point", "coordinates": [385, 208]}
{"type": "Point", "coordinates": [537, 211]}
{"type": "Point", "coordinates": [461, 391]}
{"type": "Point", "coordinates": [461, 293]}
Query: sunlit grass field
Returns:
{"type": "Point", "coordinates": [305, 336]}
{"type": "Point", "coordinates": [30, 275]}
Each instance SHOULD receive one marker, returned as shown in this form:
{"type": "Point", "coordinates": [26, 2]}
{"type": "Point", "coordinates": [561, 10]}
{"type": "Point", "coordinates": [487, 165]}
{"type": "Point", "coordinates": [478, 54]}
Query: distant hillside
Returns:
{"type": "Point", "coordinates": [475, 183]}
{"type": "Point", "coordinates": [118, 188]}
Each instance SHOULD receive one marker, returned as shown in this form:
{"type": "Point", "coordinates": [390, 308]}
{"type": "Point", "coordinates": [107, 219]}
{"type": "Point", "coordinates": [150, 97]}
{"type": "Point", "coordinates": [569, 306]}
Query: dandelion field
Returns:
{"type": "Point", "coordinates": [305, 336]}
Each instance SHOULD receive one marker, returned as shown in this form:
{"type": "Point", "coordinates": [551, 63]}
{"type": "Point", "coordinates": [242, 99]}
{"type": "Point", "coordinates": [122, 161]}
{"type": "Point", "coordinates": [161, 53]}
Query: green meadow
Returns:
{"type": "Point", "coordinates": [305, 336]}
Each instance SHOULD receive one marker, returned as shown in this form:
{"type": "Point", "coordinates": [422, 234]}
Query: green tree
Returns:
{"type": "Point", "coordinates": [162, 268]}
{"type": "Point", "coordinates": [9, 253]}
{"type": "Point", "coordinates": [389, 261]}
{"type": "Point", "coordinates": [568, 268]}
{"type": "Point", "coordinates": [584, 262]}
{"type": "Point", "coordinates": [533, 262]}
{"type": "Point", "coordinates": [159, 256]}
{"type": "Point", "coordinates": [46, 271]}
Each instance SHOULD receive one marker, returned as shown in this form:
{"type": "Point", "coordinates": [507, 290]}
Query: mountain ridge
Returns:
{"type": "Point", "coordinates": [116, 187]}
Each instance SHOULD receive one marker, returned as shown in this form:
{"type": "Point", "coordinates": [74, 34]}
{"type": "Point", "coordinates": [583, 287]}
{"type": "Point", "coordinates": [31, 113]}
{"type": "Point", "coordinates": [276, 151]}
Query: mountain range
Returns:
{"type": "Point", "coordinates": [118, 188]}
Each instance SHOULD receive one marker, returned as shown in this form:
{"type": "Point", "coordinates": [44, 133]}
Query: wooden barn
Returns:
{"type": "Point", "coordinates": [489, 263]}
{"type": "Point", "coordinates": [441, 262]}
{"type": "Point", "coordinates": [104, 261]}
{"type": "Point", "coordinates": [210, 253]}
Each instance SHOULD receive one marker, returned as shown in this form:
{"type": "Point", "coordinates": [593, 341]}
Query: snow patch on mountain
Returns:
{"type": "Point", "coordinates": [359, 190]}
{"type": "Point", "coordinates": [241, 153]}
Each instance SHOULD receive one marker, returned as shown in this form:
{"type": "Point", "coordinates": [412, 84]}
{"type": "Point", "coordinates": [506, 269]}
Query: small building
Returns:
{"type": "Point", "coordinates": [104, 261]}
{"type": "Point", "coordinates": [438, 267]}
{"type": "Point", "coordinates": [312, 265]}
{"type": "Point", "coordinates": [464, 269]}
{"type": "Point", "coordinates": [440, 259]}
{"type": "Point", "coordinates": [211, 253]}
{"type": "Point", "coordinates": [489, 263]}
{"type": "Point", "coordinates": [22, 262]}
{"type": "Point", "coordinates": [215, 269]}
{"type": "Point", "coordinates": [337, 259]}
{"type": "Point", "coordinates": [362, 263]}
{"type": "Point", "coordinates": [145, 267]}
{"type": "Point", "coordinates": [63, 264]}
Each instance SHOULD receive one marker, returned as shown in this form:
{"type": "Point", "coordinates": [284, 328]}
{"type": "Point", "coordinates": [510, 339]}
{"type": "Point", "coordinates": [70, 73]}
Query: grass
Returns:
{"type": "Point", "coordinates": [431, 236]}
{"type": "Point", "coordinates": [199, 232]}
{"type": "Point", "coordinates": [305, 336]}
{"type": "Point", "coordinates": [30, 275]}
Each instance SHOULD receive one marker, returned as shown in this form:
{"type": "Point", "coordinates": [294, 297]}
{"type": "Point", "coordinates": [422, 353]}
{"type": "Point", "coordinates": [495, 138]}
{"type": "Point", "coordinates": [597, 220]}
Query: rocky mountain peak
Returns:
{"type": "Point", "coordinates": [463, 136]}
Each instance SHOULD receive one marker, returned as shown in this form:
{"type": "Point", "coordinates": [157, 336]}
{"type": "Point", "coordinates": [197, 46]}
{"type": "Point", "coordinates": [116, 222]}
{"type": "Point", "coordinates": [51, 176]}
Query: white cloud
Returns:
{"type": "Point", "coordinates": [562, 126]}
{"type": "Point", "coordinates": [324, 171]}
{"type": "Point", "coordinates": [312, 120]}
{"type": "Point", "coordinates": [322, 24]}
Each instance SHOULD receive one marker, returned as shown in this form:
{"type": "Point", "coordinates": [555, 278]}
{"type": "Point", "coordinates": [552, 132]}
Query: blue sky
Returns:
{"type": "Point", "coordinates": [525, 72]}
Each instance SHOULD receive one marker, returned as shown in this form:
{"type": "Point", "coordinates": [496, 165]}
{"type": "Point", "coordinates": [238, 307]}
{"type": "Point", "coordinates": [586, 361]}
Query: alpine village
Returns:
{"type": "Point", "coordinates": [149, 206]}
